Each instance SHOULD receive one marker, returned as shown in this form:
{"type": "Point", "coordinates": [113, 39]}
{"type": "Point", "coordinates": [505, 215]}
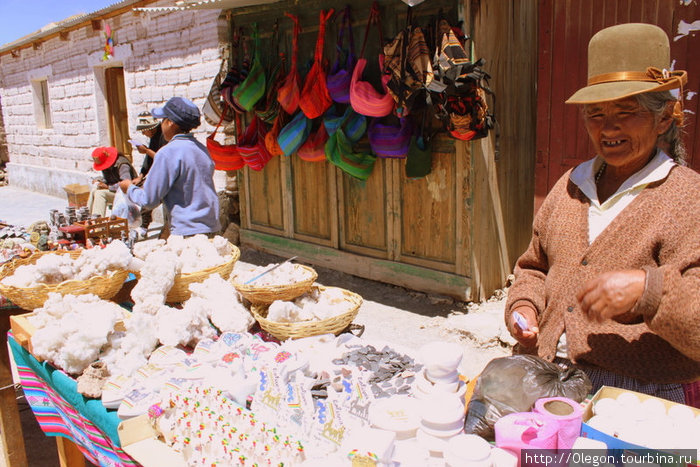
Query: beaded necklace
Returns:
{"type": "Point", "coordinates": [600, 171]}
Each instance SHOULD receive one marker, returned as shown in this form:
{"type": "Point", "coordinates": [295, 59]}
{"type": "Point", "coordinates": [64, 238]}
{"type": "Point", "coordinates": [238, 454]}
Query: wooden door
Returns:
{"type": "Point", "coordinates": [117, 115]}
{"type": "Point", "coordinates": [564, 31]}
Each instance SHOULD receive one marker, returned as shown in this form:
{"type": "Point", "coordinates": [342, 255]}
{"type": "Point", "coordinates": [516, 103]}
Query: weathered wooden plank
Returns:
{"type": "Point", "coordinates": [265, 191]}
{"type": "Point", "coordinates": [364, 220]}
{"type": "Point", "coordinates": [310, 192]}
{"type": "Point", "coordinates": [428, 212]}
{"type": "Point", "coordinates": [391, 272]}
{"type": "Point", "coordinates": [287, 198]}
{"type": "Point", "coordinates": [244, 197]}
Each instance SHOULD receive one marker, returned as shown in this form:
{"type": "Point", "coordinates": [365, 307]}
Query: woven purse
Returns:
{"type": "Point", "coordinates": [339, 77]}
{"type": "Point", "coordinates": [363, 97]}
{"type": "Point", "coordinates": [294, 134]}
{"type": "Point", "coordinates": [252, 148]}
{"type": "Point", "coordinates": [288, 93]}
{"type": "Point", "coordinates": [252, 89]}
{"type": "Point", "coordinates": [387, 140]}
{"type": "Point", "coordinates": [225, 156]}
{"type": "Point", "coordinates": [314, 98]}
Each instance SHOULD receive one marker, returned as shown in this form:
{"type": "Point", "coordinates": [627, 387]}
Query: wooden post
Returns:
{"type": "Point", "coordinates": [11, 438]}
{"type": "Point", "coordinates": [68, 453]}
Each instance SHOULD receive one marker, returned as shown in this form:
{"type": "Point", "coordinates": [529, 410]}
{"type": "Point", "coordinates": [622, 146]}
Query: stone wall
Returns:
{"type": "Point", "coordinates": [163, 54]}
{"type": "Point", "coordinates": [3, 139]}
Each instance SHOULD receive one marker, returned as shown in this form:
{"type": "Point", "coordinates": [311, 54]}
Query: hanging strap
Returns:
{"type": "Point", "coordinates": [346, 23]}
{"type": "Point", "coordinates": [323, 18]}
{"type": "Point", "coordinates": [374, 17]}
{"type": "Point", "coordinates": [295, 39]}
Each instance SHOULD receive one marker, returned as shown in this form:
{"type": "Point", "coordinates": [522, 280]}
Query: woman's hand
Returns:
{"type": "Point", "coordinates": [142, 148]}
{"type": "Point", "coordinates": [101, 185]}
{"type": "Point", "coordinates": [124, 185]}
{"type": "Point", "coordinates": [526, 338]}
{"type": "Point", "coordinates": [611, 294]}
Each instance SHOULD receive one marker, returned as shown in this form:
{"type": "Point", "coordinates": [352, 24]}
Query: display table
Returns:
{"type": "Point", "coordinates": [61, 411]}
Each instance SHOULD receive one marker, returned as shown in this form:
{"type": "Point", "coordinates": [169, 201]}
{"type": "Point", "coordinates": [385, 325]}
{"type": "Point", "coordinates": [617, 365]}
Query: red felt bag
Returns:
{"type": "Point", "coordinates": [225, 156]}
{"type": "Point", "coordinates": [314, 99]}
{"type": "Point", "coordinates": [288, 93]}
{"type": "Point", "coordinates": [252, 148]}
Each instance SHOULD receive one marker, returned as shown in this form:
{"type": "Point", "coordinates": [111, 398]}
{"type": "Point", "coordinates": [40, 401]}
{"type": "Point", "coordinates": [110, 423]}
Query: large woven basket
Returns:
{"type": "Point", "coordinates": [284, 331]}
{"type": "Point", "coordinates": [180, 290]}
{"type": "Point", "coordinates": [266, 294]}
{"type": "Point", "coordinates": [29, 298]}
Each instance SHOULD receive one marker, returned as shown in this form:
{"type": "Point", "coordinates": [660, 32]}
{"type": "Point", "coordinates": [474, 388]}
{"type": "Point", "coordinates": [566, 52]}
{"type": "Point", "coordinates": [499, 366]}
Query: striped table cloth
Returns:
{"type": "Point", "coordinates": [84, 421]}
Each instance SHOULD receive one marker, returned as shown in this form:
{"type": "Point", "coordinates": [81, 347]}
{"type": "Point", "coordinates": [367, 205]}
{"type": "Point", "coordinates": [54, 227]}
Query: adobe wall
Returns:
{"type": "Point", "coordinates": [163, 54]}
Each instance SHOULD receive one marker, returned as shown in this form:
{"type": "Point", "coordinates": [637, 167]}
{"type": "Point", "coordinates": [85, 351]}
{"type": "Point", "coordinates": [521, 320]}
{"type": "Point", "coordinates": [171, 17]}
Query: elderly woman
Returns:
{"type": "Point", "coordinates": [611, 279]}
{"type": "Point", "coordinates": [182, 174]}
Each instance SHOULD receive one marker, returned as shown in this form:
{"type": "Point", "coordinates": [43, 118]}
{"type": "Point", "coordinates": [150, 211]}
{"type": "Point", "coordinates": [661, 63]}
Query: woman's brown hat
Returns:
{"type": "Point", "coordinates": [625, 60]}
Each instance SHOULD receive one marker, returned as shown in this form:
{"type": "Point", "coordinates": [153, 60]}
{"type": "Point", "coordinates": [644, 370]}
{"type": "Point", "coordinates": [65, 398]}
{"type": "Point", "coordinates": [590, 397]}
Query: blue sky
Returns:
{"type": "Point", "coordinates": [21, 17]}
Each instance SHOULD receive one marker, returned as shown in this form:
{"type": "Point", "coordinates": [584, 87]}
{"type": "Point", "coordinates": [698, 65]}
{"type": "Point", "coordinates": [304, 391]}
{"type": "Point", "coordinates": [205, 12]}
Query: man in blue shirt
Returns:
{"type": "Point", "coordinates": [182, 174]}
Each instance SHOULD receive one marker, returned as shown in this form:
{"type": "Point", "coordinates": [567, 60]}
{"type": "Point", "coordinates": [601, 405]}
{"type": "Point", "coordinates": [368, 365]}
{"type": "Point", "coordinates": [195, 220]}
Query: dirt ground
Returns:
{"type": "Point", "coordinates": [407, 319]}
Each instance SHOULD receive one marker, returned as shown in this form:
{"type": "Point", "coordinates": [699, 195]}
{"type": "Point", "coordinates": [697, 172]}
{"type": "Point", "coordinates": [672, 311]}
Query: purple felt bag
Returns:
{"type": "Point", "coordinates": [389, 140]}
{"type": "Point", "coordinates": [339, 78]}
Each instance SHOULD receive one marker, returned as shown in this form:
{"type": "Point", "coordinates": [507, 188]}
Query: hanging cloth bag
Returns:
{"type": "Point", "coordinates": [273, 147]}
{"type": "Point", "coordinates": [251, 90]}
{"type": "Point", "coordinates": [339, 77]}
{"type": "Point", "coordinates": [353, 124]}
{"type": "Point", "coordinates": [294, 134]}
{"type": "Point", "coordinates": [313, 149]}
{"type": "Point", "coordinates": [252, 148]}
{"type": "Point", "coordinates": [314, 98]}
{"type": "Point", "coordinates": [344, 131]}
{"type": "Point", "coordinates": [339, 152]}
{"type": "Point", "coordinates": [388, 140]}
{"type": "Point", "coordinates": [225, 156]}
{"type": "Point", "coordinates": [238, 72]}
{"type": "Point", "coordinates": [363, 97]}
{"type": "Point", "coordinates": [268, 112]}
{"type": "Point", "coordinates": [288, 94]}
{"type": "Point", "coordinates": [215, 106]}
{"type": "Point", "coordinates": [407, 60]}
{"type": "Point", "coordinates": [419, 160]}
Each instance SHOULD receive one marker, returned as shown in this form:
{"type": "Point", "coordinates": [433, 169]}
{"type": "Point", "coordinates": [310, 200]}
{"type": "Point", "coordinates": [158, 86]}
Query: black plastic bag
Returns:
{"type": "Point", "coordinates": [513, 384]}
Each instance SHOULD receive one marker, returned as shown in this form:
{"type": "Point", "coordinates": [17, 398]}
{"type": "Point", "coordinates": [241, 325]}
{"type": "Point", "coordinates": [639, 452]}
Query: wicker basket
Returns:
{"type": "Point", "coordinates": [266, 294]}
{"type": "Point", "coordinates": [284, 331]}
{"type": "Point", "coordinates": [30, 298]}
{"type": "Point", "coordinates": [180, 290]}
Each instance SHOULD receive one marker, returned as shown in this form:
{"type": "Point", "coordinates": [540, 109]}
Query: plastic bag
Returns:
{"type": "Point", "coordinates": [513, 384]}
{"type": "Point", "coordinates": [123, 207]}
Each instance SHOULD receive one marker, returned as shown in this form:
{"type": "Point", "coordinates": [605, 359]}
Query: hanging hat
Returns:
{"type": "Point", "coordinates": [104, 157]}
{"type": "Point", "coordinates": [146, 122]}
{"type": "Point", "coordinates": [626, 60]}
{"type": "Point", "coordinates": [180, 111]}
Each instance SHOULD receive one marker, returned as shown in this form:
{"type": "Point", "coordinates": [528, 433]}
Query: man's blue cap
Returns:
{"type": "Point", "coordinates": [180, 111]}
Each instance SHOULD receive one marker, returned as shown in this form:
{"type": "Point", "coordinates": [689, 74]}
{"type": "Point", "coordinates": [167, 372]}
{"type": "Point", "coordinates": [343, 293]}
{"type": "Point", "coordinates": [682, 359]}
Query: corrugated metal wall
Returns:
{"type": "Point", "coordinates": [565, 27]}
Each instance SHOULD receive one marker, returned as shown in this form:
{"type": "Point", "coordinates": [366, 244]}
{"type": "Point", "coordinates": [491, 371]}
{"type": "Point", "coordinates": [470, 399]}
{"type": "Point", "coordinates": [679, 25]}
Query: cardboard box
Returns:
{"type": "Point", "coordinates": [77, 194]}
{"type": "Point", "coordinates": [618, 445]}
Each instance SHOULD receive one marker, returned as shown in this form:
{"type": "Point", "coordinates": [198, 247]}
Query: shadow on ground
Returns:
{"type": "Point", "coordinates": [390, 295]}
